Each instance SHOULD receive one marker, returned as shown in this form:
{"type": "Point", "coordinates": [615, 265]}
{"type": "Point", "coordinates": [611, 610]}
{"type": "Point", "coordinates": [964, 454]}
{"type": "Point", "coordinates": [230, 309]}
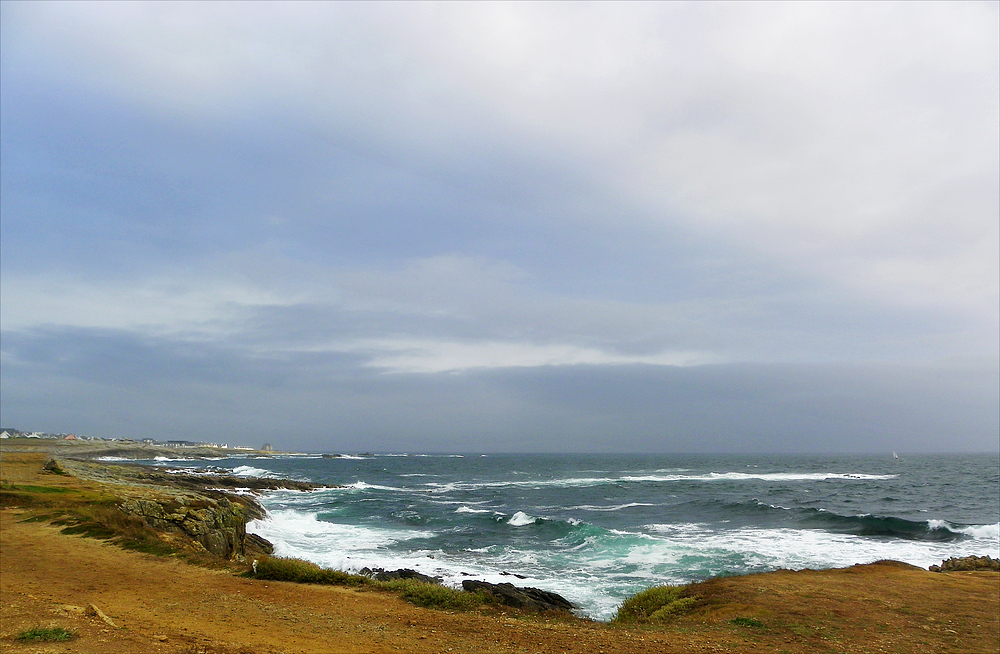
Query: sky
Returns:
{"type": "Point", "coordinates": [503, 227]}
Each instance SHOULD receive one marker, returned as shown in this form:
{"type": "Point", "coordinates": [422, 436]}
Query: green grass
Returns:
{"type": "Point", "coordinates": [29, 488]}
{"type": "Point", "coordinates": [747, 622]}
{"type": "Point", "coordinates": [655, 605]}
{"type": "Point", "coordinates": [48, 634]}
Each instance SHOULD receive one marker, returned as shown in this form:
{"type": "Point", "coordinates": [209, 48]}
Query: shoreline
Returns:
{"type": "Point", "coordinates": [160, 603]}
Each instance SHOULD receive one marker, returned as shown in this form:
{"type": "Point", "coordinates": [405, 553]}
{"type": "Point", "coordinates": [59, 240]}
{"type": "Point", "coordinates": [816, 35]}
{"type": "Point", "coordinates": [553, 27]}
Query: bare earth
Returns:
{"type": "Point", "coordinates": [161, 604]}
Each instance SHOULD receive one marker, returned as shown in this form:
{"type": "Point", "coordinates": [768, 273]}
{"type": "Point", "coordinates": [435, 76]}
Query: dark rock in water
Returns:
{"type": "Point", "coordinates": [530, 599]}
{"type": "Point", "coordinates": [405, 573]}
{"type": "Point", "coordinates": [966, 563]}
{"type": "Point", "coordinates": [512, 574]}
{"type": "Point", "coordinates": [332, 456]}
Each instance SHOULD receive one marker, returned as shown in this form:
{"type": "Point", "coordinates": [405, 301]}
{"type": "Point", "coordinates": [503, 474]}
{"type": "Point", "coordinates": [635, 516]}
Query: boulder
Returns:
{"type": "Point", "coordinates": [529, 599]}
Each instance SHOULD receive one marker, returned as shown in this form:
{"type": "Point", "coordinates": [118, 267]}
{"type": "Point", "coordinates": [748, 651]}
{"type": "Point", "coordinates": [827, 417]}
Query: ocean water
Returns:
{"type": "Point", "coordinates": [599, 528]}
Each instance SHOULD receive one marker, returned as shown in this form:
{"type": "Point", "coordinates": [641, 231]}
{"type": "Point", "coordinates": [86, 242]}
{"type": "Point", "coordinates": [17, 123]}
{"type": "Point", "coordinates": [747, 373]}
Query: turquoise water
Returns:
{"type": "Point", "coordinates": [599, 528]}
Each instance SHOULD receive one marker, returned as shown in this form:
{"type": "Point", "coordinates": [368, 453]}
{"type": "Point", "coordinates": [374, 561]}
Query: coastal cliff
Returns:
{"type": "Point", "coordinates": [190, 511]}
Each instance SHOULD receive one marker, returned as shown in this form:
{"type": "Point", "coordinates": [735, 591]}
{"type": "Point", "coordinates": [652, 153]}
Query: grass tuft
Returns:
{"type": "Point", "coordinates": [747, 622]}
{"type": "Point", "coordinates": [656, 604]}
{"type": "Point", "coordinates": [48, 634]}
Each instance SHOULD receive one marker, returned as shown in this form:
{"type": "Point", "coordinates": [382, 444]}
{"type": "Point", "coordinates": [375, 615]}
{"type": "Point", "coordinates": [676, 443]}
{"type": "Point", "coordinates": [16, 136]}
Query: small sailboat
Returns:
{"type": "Point", "coordinates": [894, 455]}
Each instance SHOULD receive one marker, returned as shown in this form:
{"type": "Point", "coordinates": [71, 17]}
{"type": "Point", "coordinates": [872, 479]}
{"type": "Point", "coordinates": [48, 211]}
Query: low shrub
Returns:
{"type": "Point", "coordinates": [48, 634]}
{"type": "Point", "coordinates": [421, 593]}
{"type": "Point", "coordinates": [303, 572]}
{"type": "Point", "coordinates": [435, 596]}
{"type": "Point", "coordinates": [655, 604]}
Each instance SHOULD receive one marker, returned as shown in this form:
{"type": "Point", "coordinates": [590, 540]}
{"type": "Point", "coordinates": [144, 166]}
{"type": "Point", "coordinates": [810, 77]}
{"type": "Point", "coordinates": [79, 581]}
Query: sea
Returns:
{"type": "Point", "coordinates": [599, 528]}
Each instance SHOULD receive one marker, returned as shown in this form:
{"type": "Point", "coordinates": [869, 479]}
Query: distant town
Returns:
{"type": "Point", "coordinates": [17, 433]}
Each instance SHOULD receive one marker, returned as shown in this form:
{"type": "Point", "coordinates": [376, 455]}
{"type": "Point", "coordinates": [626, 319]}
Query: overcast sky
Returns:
{"type": "Point", "coordinates": [673, 227]}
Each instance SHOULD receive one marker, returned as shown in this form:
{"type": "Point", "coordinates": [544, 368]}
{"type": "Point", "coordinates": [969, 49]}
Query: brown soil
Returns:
{"type": "Point", "coordinates": [164, 605]}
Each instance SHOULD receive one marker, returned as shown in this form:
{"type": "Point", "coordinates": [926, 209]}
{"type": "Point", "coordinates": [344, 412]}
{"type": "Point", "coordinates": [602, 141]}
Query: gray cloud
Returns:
{"type": "Point", "coordinates": [397, 206]}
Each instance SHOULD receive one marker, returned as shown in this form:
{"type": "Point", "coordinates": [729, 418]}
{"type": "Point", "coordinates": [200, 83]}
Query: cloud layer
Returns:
{"type": "Point", "coordinates": [368, 202]}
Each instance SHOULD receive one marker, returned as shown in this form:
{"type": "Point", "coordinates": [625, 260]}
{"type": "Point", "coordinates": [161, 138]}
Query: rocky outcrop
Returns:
{"type": "Point", "coordinates": [217, 524]}
{"type": "Point", "coordinates": [199, 509]}
{"type": "Point", "coordinates": [529, 599]}
{"type": "Point", "coordinates": [255, 546]}
{"type": "Point", "coordinates": [967, 563]}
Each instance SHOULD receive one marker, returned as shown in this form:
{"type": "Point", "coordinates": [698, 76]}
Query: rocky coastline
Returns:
{"type": "Point", "coordinates": [210, 512]}
{"type": "Point", "coordinates": [203, 511]}
{"type": "Point", "coordinates": [49, 575]}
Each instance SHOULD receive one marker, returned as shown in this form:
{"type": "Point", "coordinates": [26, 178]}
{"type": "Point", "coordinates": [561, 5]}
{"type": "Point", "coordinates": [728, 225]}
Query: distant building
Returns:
{"type": "Point", "coordinates": [267, 447]}
{"type": "Point", "coordinates": [5, 434]}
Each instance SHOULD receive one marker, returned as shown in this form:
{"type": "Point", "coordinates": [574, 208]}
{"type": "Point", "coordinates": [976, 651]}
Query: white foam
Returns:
{"type": "Point", "coordinates": [763, 476]}
{"type": "Point", "coordinates": [520, 519]}
{"type": "Point", "coordinates": [582, 482]}
{"type": "Point", "coordinates": [616, 507]}
{"type": "Point", "coordinates": [236, 491]}
{"type": "Point", "coordinates": [981, 532]}
{"type": "Point", "coordinates": [360, 485]}
{"type": "Point", "coordinates": [250, 471]}
{"type": "Point", "coordinates": [466, 509]}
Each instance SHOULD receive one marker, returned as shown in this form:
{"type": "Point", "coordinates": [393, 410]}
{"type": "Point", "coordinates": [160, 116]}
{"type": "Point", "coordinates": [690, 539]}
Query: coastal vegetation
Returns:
{"type": "Point", "coordinates": [415, 591]}
{"type": "Point", "coordinates": [45, 634]}
{"type": "Point", "coordinates": [655, 605]}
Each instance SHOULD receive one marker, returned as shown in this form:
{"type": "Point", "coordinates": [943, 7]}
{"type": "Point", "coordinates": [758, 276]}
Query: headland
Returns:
{"type": "Point", "coordinates": [186, 590]}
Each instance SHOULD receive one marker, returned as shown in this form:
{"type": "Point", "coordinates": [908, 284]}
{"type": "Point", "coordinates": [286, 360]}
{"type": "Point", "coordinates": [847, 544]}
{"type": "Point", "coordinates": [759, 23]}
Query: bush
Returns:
{"type": "Point", "coordinates": [303, 572]}
{"type": "Point", "coordinates": [655, 604]}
